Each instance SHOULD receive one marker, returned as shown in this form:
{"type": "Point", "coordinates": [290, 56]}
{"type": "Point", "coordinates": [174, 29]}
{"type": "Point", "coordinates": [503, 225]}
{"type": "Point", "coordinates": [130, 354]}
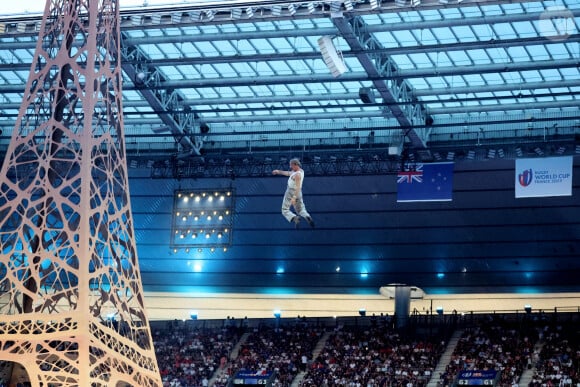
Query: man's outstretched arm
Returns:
{"type": "Point", "coordinates": [280, 172]}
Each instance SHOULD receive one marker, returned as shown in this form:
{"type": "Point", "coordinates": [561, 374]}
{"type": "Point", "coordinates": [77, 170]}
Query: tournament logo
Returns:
{"type": "Point", "coordinates": [525, 178]}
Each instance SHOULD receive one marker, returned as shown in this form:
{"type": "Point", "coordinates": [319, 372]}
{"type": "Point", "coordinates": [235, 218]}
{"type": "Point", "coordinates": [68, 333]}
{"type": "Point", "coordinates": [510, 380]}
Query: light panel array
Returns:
{"type": "Point", "coordinates": [202, 219]}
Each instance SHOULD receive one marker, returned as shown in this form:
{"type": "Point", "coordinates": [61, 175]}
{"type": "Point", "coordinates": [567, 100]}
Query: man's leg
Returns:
{"type": "Point", "coordinates": [286, 212]}
{"type": "Point", "coordinates": [300, 208]}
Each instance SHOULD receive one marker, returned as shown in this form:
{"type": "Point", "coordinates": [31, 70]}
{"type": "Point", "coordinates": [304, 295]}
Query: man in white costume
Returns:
{"type": "Point", "coordinates": [293, 195]}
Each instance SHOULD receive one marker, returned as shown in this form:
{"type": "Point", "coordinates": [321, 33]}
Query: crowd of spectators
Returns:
{"type": "Point", "coordinates": [503, 345]}
{"type": "Point", "coordinates": [558, 361]}
{"type": "Point", "coordinates": [188, 356]}
{"type": "Point", "coordinates": [368, 354]}
{"type": "Point", "coordinates": [284, 350]}
{"type": "Point", "coordinates": [373, 356]}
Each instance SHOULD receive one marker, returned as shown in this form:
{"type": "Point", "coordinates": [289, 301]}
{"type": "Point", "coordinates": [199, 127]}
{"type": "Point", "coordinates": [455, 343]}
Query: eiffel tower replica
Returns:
{"type": "Point", "coordinates": [71, 298]}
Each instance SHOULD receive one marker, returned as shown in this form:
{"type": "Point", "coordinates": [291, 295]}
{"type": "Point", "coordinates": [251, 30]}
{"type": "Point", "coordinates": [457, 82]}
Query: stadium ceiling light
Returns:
{"type": "Point", "coordinates": [335, 6]}
{"type": "Point", "coordinates": [136, 20]}
{"type": "Point", "coordinates": [195, 16]}
{"type": "Point", "coordinates": [277, 10]}
{"type": "Point", "coordinates": [236, 13]}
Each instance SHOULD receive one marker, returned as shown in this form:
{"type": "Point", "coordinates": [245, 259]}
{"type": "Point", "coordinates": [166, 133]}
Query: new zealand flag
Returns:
{"type": "Point", "coordinates": [426, 183]}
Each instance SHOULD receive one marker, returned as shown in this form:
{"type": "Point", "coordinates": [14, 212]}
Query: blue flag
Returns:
{"type": "Point", "coordinates": [426, 183]}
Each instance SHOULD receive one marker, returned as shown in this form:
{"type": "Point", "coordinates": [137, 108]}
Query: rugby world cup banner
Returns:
{"type": "Point", "coordinates": [551, 176]}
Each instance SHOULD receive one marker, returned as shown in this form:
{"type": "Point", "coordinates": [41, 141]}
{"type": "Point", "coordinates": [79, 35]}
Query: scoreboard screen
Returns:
{"type": "Point", "coordinates": [477, 378]}
{"type": "Point", "coordinates": [261, 378]}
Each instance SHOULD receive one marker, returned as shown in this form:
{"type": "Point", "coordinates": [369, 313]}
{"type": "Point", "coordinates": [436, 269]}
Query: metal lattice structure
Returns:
{"type": "Point", "coordinates": [72, 310]}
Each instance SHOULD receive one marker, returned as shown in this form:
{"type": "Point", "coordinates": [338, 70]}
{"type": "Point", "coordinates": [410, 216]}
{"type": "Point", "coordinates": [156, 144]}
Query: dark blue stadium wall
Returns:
{"type": "Point", "coordinates": [484, 240]}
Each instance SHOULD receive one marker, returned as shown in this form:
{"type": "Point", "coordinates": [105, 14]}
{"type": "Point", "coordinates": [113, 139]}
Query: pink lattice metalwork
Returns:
{"type": "Point", "coordinates": [71, 299]}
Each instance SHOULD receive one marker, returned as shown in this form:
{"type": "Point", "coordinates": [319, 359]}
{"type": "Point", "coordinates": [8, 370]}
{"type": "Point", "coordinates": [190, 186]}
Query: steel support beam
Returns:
{"type": "Point", "coordinates": [409, 114]}
{"type": "Point", "coordinates": [167, 103]}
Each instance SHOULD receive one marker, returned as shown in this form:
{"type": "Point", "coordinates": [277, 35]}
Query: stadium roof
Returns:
{"type": "Point", "coordinates": [419, 79]}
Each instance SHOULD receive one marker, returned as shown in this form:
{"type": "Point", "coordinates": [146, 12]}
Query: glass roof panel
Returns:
{"type": "Point", "coordinates": [283, 68]}
{"type": "Point", "coordinates": [386, 38]}
{"type": "Point", "coordinates": [479, 56]}
{"type": "Point", "coordinates": [559, 51]}
{"type": "Point", "coordinates": [492, 9]}
{"type": "Point", "coordinates": [390, 17]}
{"type": "Point", "coordinates": [246, 27]}
{"type": "Point", "coordinates": [524, 29]}
{"type": "Point", "coordinates": [459, 58]}
{"type": "Point", "coordinates": [279, 45]}
{"type": "Point", "coordinates": [550, 74]}
{"type": "Point", "coordinates": [209, 29]}
{"type": "Point", "coordinates": [570, 73]}
{"type": "Point", "coordinates": [265, 46]}
{"type": "Point", "coordinates": [425, 36]}
{"type": "Point", "coordinates": [504, 31]}
{"type": "Point", "coordinates": [297, 89]}
{"type": "Point", "coordinates": [472, 11]}
{"type": "Point", "coordinates": [493, 79]}
{"type": "Point", "coordinates": [248, 69]}
{"type": "Point", "coordinates": [466, 33]}
{"type": "Point", "coordinates": [154, 32]}
{"type": "Point", "coordinates": [531, 76]}
{"type": "Point", "coordinates": [172, 31]}
{"type": "Point", "coordinates": [519, 54]}
{"type": "Point", "coordinates": [247, 91]}
{"type": "Point", "coordinates": [152, 51]}
{"type": "Point", "coordinates": [405, 38]}
{"type": "Point", "coordinates": [431, 14]}
{"type": "Point", "coordinates": [444, 35]}
{"type": "Point", "coordinates": [13, 97]}
{"type": "Point", "coordinates": [420, 60]}
{"type": "Point", "coordinates": [438, 59]}
{"type": "Point", "coordinates": [512, 8]}
{"type": "Point", "coordinates": [483, 32]}
{"type": "Point", "coordinates": [539, 52]}
{"type": "Point", "coordinates": [171, 72]}
{"type": "Point", "coordinates": [22, 55]}
{"type": "Point", "coordinates": [205, 49]}
{"type": "Point", "coordinates": [457, 81]}
{"type": "Point", "coordinates": [14, 77]}
{"type": "Point", "coordinates": [170, 50]}
{"type": "Point", "coordinates": [450, 13]}
{"type": "Point", "coordinates": [208, 72]}
{"type": "Point", "coordinates": [403, 61]}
